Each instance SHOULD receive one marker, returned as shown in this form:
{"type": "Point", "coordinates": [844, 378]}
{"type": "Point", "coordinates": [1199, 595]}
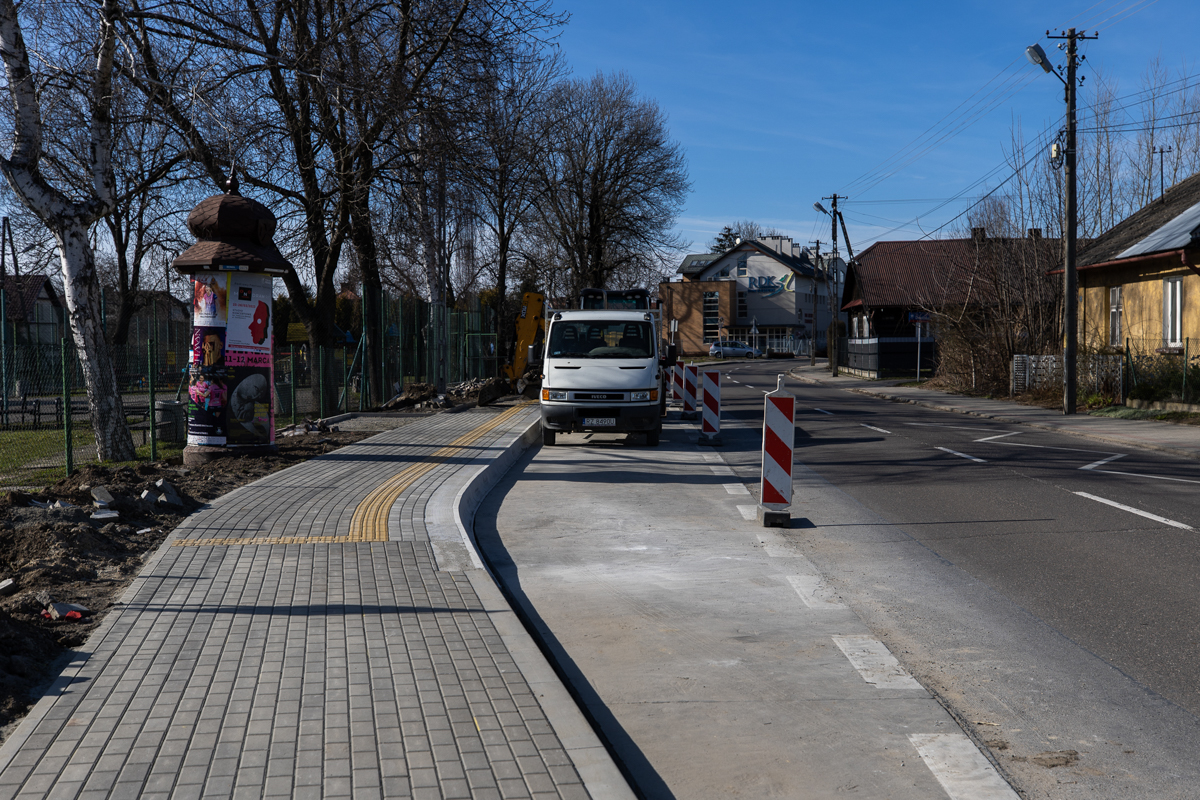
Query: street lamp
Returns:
{"type": "Point", "coordinates": [1037, 57]}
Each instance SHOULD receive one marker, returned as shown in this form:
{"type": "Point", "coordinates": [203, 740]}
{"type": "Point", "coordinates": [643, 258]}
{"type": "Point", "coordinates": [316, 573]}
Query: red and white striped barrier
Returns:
{"type": "Point", "coordinates": [711, 425]}
{"type": "Point", "coordinates": [677, 383]}
{"type": "Point", "coordinates": [779, 439]}
{"type": "Point", "coordinates": [690, 374]}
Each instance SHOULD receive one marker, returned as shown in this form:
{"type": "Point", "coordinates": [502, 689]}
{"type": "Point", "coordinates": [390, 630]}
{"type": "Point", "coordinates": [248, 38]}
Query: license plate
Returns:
{"type": "Point", "coordinates": [600, 422]}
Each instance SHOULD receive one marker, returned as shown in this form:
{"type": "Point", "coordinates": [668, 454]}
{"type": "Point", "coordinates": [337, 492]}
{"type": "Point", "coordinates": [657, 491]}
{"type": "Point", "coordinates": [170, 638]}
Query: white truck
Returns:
{"type": "Point", "coordinates": [602, 369]}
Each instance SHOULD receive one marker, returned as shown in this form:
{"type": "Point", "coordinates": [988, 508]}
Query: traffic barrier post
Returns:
{"type": "Point", "coordinates": [710, 427]}
{"type": "Point", "coordinates": [677, 383]}
{"type": "Point", "coordinates": [690, 375]}
{"type": "Point", "coordinates": [778, 449]}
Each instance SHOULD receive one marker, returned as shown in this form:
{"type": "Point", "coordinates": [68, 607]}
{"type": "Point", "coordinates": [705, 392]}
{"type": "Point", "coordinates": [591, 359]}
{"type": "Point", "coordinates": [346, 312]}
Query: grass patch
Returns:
{"type": "Point", "coordinates": [1125, 412]}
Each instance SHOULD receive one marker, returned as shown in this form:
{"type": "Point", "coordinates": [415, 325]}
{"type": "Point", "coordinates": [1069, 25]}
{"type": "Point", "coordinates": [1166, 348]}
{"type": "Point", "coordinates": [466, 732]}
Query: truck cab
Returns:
{"type": "Point", "coordinates": [601, 368]}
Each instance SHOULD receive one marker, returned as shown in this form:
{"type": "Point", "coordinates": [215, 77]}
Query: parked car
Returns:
{"type": "Point", "coordinates": [731, 348]}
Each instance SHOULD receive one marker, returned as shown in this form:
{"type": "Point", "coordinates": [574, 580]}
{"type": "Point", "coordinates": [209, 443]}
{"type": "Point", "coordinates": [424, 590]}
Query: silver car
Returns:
{"type": "Point", "coordinates": [731, 348]}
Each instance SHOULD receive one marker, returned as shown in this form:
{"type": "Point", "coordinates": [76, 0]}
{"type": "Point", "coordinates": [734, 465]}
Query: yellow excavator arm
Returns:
{"type": "Point", "coordinates": [531, 327]}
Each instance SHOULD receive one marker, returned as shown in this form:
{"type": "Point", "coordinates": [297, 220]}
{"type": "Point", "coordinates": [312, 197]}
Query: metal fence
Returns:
{"type": "Point", "coordinates": [45, 421]}
{"type": "Point", "coordinates": [1100, 374]}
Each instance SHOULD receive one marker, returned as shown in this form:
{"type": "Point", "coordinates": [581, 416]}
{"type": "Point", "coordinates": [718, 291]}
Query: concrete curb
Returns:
{"type": "Point", "coordinates": [1097, 437]}
{"type": "Point", "coordinates": [450, 520]}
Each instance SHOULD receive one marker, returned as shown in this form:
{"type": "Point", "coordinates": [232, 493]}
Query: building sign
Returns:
{"type": "Point", "coordinates": [770, 286]}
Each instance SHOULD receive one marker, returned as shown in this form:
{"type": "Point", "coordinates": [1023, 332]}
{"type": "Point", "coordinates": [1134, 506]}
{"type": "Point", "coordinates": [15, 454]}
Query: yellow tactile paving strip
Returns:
{"type": "Point", "coordinates": [370, 520]}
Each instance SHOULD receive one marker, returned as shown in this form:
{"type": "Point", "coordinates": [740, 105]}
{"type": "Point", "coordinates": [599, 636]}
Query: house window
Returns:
{"type": "Point", "coordinates": [1173, 312]}
{"type": "Point", "coordinates": [712, 316]}
{"type": "Point", "coordinates": [741, 267]}
{"type": "Point", "coordinates": [742, 311]}
{"type": "Point", "coordinates": [1114, 316]}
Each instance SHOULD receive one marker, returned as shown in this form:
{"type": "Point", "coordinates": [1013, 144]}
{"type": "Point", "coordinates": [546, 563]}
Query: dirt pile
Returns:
{"type": "Point", "coordinates": [67, 545]}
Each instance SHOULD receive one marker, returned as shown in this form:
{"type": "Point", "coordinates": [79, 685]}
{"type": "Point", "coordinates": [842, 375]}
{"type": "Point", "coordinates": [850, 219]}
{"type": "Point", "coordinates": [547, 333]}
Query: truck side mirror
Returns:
{"type": "Point", "coordinates": [672, 356]}
{"type": "Point", "coordinates": [534, 357]}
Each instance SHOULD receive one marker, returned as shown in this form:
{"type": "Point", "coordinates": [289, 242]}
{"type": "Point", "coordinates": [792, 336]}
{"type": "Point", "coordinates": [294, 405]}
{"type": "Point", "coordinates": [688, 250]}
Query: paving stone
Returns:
{"type": "Point", "coordinates": [316, 648]}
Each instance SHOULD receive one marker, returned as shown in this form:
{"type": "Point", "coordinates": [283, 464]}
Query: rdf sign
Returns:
{"type": "Point", "coordinates": [769, 285]}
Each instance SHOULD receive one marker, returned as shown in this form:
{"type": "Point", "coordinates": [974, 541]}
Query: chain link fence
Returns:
{"type": "Point", "coordinates": [45, 421]}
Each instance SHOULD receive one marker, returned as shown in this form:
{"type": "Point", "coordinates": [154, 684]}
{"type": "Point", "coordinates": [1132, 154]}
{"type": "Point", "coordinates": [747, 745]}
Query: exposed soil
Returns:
{"type": "Point", "coordinates": [65, 553]}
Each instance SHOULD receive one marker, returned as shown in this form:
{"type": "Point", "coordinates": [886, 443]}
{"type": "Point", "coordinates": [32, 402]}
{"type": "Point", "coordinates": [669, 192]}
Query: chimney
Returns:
{"type": "Point", "coordinates": [1035, 233]}
{"type": "Point", "coordinates": [979, 235]}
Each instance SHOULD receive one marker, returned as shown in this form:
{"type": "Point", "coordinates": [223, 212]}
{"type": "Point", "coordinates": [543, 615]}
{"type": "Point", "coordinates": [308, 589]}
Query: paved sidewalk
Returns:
{"type": "Point", "coordinates": [323, 632]}
{"type": "Point", "coordinates": [1178, 440]}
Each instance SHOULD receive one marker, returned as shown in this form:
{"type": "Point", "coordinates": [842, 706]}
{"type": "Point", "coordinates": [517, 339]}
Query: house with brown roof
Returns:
{"type": "Point", "coordinates": [33, 309]}
{"type": "Point", "coordinates": [899, 294]}
{"type": "Point", "coordinates": [1140, 281]}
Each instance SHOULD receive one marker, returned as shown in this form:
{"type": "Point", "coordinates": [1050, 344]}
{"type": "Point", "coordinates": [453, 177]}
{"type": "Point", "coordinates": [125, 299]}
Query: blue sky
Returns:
{"type": "Point", "coordinates": [780, 103]}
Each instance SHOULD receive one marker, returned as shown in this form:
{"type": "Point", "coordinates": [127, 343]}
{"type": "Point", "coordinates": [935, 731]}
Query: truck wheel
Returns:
{"type": "Point", "coordinates": [547, 437]}
{"type": "Point", "coordinates": [652, 437]}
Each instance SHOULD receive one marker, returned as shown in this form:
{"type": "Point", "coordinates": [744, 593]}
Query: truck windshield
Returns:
{"type": "Point", "coordinates": [598, 338]}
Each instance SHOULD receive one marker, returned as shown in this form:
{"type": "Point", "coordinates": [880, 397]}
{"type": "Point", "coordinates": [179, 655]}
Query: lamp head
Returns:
{"type": "Point", "coordinates": [1037, 56]}
{"type": "Point", "coordinates": [820, 208]}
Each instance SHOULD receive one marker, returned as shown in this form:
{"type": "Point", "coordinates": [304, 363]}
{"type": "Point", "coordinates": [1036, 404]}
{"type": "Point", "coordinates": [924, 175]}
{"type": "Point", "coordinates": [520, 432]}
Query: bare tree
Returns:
{"type": "Point", "coordinates": [613, 181]}
{"type": "Point", "coordinates": [69, 217]}
{"type": "Point", "coordinates": [741, 230]}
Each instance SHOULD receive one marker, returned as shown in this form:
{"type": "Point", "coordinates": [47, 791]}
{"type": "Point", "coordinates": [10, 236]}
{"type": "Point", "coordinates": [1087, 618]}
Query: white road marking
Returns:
{"type": "Point", "coordinates": [813, 592]}
{"type": "Point", "coordinates": [711, 456]}
{"type": "Point", "coordinates": [1152, 477]}
{"type": "Point", "coordinates": [872, 427]}
{"type": "Point", "coordinates": [1001, 436]}
{"type": "Point", "coordinates": [951, 427]}
{"type": "Point", "coordinates": [1102, 461]}
{"type": "Point", "coordinates": [1137, 511]}
{"type": "Point", "coordinates": [748, 512]}
{"type": "Point", "coordinates": [823, 411]}
{"type": "Point", "coordinates": [960, 455]}
{"type": "Point", "coordinates": [963, 771]}
{"type": "Point", "coordinates": [720, 470]}
{"type": "Point", "coordinates": [875, 663]}
{"type": "Point", "coordinates": [736, 488]}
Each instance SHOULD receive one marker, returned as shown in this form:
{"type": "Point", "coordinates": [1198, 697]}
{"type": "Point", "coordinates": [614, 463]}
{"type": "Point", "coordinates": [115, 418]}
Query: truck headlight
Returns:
{"type": "Point", "coordinates": [635, 396]}
{"type": "Point", "coordinates": [550, 394]}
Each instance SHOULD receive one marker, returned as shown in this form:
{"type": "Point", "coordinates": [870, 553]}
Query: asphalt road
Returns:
{"type": "Point", "coordinates": [1059, 585]}
{"type": "Point", "coordinates": [1042, 587]}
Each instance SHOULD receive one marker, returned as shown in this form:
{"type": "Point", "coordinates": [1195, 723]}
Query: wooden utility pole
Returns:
{"type": "Point", "coordinates": [812, 349]}
{"type": "Point", "coordinates": [1070, 225]}
{"type": "Point", "coordinates": [835, 339]}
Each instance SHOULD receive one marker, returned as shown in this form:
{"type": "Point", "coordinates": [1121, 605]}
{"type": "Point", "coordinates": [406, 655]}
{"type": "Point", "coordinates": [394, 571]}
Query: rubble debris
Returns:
{"type": "Point", "coordinates": [102, 495]}
{"type": "Point", "coordinates": [7, 587]}
{"type": "Point", "coordinates": [150, 496]}
{"type": "Point", "coordinates": [66, 611]}
{"type": "Point", "coordinates": [62, 504]}
{"type": "Point", "coordinates": [44, 597]}
{"type": "Point", "coordinates": [106, 513]}
{"type": "Point", "coordinates": [413, 394]}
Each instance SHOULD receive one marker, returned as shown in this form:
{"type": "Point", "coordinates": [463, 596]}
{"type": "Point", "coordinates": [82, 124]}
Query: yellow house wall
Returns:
{"type": "Point", "coordinates": [1142, 302]}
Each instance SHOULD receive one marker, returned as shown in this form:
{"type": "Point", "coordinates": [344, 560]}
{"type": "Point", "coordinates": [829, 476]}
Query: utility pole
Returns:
{"type": "Point", "coordinates": [835, 340]}
{"type": "Point", "coordinates": [1070, 278]}
{"type": "Point", "coordinates": [1162, 184]}
{"type": "Point", "coordinates": [812, 349]}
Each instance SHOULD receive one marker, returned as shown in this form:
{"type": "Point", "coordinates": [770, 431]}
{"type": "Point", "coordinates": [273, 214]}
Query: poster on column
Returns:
{"type": "Point", "coordinates": [209, 303]}
{"type": "Point", "coordinates": [249, 312]}
{"type": "Point", "coordinates": [251, 410]}
{"type": "Point", "coordinates": [208, 397]}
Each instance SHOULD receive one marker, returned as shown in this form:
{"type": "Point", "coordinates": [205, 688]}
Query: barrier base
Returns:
{"type": "Point", "coordinates": [775, 519]}
{"type": "Point", "coordinates": [689, 415]}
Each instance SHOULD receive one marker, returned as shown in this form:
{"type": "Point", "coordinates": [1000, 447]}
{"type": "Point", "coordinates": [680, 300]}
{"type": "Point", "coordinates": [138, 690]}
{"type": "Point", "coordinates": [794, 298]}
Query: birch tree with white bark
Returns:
{"type": "Point", "coordinates": [69, 218]}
